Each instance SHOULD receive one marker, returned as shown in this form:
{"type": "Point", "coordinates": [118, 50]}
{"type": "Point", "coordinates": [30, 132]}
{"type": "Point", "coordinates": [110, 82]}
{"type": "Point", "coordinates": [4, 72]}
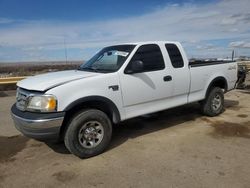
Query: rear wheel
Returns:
{"type": "Point", "coordinates": [213, 105]}
{"type": "Point", "coordinates": [88, 133]}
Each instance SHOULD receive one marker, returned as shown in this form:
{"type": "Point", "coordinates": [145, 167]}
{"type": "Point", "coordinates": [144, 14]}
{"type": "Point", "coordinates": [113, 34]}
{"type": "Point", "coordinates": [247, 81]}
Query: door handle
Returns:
{"type": "Point", "coordinates": [167, 78]}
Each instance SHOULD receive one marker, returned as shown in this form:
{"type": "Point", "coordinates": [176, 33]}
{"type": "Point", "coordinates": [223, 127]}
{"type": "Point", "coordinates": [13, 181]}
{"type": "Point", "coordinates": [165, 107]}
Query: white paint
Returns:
{"type": "Point", "coordinates": [140, 93]}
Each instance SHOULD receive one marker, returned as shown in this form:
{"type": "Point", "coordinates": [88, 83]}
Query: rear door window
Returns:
{"type": "Point", "coordinates": [175, 55]}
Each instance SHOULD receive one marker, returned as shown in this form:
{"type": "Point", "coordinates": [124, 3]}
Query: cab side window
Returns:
{"type": "Point", "coordinates": [175, 55]}
{"type": "Point", "coordinates": [151, 56]}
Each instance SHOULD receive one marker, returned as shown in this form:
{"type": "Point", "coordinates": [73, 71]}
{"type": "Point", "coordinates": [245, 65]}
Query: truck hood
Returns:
{"type": "Point", "coordinates": [49, 80]}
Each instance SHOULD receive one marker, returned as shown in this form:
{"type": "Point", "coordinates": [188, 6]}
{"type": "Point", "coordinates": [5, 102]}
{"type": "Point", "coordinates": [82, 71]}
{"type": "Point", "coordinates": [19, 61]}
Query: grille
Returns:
{"type": "Point", "coordinates": [21, 99]}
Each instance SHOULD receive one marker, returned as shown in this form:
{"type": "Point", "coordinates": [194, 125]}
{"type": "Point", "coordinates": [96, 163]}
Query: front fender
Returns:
{"type": "Point", "coordinates": [90, 88]}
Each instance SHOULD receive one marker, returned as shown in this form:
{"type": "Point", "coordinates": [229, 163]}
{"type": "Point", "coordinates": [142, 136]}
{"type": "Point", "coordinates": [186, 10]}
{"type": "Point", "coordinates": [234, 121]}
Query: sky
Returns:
{"type": "Point", "coordinates": [46, 30]}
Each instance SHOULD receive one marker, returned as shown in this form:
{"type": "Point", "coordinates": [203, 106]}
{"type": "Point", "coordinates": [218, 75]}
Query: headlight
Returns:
{"type": "Point", "coordinates": [42, 103]}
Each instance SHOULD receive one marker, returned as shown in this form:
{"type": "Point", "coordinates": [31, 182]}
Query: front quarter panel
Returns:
{"type": "Point", "coordinates": [87, 87]}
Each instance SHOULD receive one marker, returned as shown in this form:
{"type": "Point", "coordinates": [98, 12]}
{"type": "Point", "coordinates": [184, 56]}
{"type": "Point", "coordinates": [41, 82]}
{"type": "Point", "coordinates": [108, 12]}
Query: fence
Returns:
{"type": "Point", "coordinates": [10, 80]}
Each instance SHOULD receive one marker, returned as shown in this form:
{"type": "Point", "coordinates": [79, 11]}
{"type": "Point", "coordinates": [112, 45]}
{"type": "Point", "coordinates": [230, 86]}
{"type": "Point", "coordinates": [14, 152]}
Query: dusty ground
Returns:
{"type": "Point", "coordinates": [174, 148]}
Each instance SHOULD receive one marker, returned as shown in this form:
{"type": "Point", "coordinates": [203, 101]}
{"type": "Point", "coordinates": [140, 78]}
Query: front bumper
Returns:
{"type": "Point", "coordinates": [40, 126]}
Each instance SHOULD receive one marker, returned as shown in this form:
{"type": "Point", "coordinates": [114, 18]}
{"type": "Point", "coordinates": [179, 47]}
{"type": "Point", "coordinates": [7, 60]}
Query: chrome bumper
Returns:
{"type": "Point", "coordinates": [38, 126]}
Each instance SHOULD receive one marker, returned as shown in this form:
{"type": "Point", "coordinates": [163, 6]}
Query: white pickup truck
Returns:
{"type": "Point", "coordinates": [118, 83]}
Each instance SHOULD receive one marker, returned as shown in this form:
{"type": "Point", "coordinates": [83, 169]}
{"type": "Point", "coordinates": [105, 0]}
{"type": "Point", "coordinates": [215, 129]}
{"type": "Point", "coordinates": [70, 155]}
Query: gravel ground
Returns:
{"type": "Point", "coordinates": [173, 148]}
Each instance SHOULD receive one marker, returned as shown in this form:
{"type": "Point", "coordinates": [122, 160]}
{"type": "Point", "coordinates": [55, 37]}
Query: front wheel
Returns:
{"type": "Point", "coordinates": [88, 133]}
{"type": "Point", "coordinates": [213, 105]}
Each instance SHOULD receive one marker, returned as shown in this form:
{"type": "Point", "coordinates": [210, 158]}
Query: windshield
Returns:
{"type": "Point", "coordinates": [109, 59]}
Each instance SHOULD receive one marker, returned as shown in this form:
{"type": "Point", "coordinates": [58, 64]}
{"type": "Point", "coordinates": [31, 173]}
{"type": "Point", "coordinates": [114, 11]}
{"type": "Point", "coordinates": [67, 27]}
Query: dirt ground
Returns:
{"type": "Point", "coordinates": [174, 148]}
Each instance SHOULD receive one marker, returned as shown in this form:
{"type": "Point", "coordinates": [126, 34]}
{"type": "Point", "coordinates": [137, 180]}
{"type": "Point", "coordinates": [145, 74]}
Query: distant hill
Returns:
{"type": "Point", "coordinates": [38, 63]}
{"type": "Point", "coordinates": [34, 68]}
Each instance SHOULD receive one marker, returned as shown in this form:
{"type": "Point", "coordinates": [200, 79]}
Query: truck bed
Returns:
{"type": "Point", "coordinates": [198, 63]}
{"type": "Point", "coordinates": [202, 74]}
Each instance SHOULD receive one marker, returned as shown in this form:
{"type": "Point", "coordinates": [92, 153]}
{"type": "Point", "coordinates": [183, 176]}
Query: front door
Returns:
{"type": "Point", "coordinates": [146, 91]}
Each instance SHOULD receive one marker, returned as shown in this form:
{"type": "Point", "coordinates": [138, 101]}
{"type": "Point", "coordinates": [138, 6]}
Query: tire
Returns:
{"type": "Point", "coordinates": [88, 133]}
{"type": "Point", "coordinates": [213, 105]}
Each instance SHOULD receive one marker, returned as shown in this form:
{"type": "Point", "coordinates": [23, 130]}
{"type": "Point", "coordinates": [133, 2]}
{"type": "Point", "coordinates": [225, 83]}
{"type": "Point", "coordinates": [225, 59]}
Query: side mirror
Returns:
{"type": "Point", "coordinates": [109, 53]}
{"type": "Point", "coordinates": [135, 67]}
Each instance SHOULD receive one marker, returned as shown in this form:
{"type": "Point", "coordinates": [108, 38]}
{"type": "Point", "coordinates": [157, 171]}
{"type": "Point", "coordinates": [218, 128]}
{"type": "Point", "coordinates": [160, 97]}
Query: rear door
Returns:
{"type": "Point", "coordinates": [180, 72]}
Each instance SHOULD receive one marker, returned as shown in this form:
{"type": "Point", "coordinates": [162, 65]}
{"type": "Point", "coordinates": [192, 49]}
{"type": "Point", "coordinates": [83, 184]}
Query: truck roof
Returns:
{"type": "Point", "coordinates": [150, 42]}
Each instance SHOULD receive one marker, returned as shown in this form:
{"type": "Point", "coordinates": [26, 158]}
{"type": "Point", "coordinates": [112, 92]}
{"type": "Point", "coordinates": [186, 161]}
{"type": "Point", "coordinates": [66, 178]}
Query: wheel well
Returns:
{"type": "Point", "coordinates": [102, 104]}
{"type": "Point", "coordinates": [217, 82]}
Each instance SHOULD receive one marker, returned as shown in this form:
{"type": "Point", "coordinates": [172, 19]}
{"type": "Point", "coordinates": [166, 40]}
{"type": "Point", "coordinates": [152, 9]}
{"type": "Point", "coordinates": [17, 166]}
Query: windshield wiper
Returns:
{"type": "Point", "coordinates": [88, 68]}
{"type": "Point", "coordinates": [95, 69]}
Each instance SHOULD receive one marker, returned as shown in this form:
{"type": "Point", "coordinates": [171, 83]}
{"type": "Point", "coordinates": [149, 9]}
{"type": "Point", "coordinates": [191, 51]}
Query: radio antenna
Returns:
{"type": "Point", "coordinates": [65, 51]}
{"type": "Point", "coordinates": [233, 55]}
